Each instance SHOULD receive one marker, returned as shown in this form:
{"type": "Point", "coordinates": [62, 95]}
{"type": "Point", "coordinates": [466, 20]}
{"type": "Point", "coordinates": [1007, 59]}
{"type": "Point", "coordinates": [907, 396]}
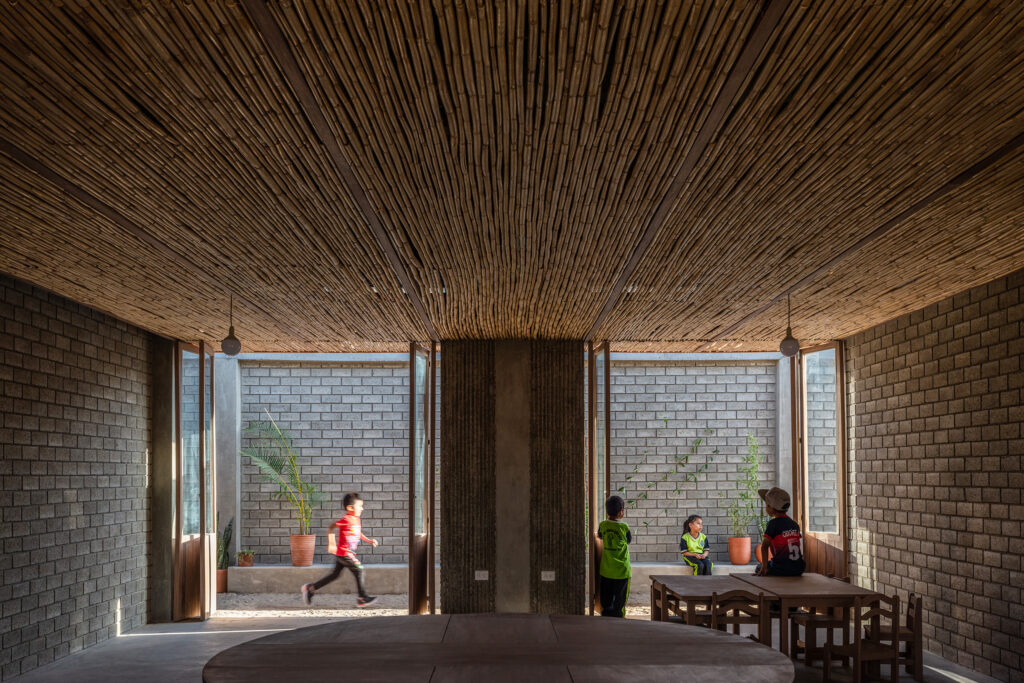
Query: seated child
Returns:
{"type": "Point", "coordinates": [781, 537]}
{"type": "Point", "coordinates": [694, 546]}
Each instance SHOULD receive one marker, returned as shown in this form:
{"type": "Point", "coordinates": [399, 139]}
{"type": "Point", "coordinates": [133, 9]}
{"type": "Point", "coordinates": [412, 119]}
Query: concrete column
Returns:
{"type": "Point", "coordinates": [227, 441]}
{"type": "Point", "coordinates": [784, 425]}
{"type": "Point", "coordinates": [512, 472]}
{"type": "Point", "coordinates": [512, 479]}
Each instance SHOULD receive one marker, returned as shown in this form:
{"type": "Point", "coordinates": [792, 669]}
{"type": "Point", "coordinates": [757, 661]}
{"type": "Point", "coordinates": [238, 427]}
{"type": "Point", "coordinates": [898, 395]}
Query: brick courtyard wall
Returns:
{"type": "Point", "coordinates": [658, 409]}
{"type": "Point", "coordinates": [351, 425]}
{"type": "Point", "coordinates": [75, 401]}
{"type": "Point", "coordinates": [935, 444]}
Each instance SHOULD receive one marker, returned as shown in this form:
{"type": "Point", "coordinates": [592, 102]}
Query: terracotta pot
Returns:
{"type": "Point", "coordinates": [757, 552]}
{"type": "Point", "coordinates": [739, 550]}
{"type": "Point", "coordinates": [222, 580]}
{"type": "Point", "coordinates": [303, 546]}
{"type": "Point", "coordinates": [245, 560]}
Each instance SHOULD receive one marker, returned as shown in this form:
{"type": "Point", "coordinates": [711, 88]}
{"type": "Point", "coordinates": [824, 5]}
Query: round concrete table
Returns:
{"type": "Point", "coordinates": [499, 647]}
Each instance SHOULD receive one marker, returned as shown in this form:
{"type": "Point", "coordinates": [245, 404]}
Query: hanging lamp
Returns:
{"type": "Point", "coordinates": [230, 344]}
{"type": "Point", "coordinates": [789, 345]}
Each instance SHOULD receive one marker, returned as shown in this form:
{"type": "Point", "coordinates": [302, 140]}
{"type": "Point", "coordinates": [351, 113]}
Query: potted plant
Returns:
{"type": "Point", "coordinates": [245, 557]}
{"type": "Point", "coordinates": [743, 509]}
{"type": "Point", "coordinates": [223, 541]}
{"type": "Point", "coordinates": [271, 449]}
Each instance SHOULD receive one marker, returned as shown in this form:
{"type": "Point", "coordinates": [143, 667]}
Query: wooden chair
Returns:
{"type": "Point", "coordinates": [868, 612]}
{"type": "Point", "coordinates": [740, 607]}
{"type": "Point", "coordinates": [911, 634]}
{"type": "Point", "coordinates": [812, 623]}
{"type": "Point", "coordinates": [666, 604]}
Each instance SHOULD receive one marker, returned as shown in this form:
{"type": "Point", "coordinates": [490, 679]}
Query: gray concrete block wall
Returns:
{"type": "Point", "coordinates": [351, 423]}
{"type": "Point", "coordinates": [75, 401]}
{"type": "Point", "coordinates": [658, 409]}
{"type": "Point", "coordinates": [935, 441]}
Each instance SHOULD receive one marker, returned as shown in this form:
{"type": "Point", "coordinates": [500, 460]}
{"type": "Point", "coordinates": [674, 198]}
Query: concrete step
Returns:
{"type": "Point", "coordinates": [394, 578]}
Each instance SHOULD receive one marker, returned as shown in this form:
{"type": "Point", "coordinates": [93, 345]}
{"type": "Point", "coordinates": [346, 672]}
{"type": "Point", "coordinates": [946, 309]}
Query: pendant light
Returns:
{"type": "Point", "coordinates": [230, 345]}
{"type": "Point", "coordinates": [789, 345]}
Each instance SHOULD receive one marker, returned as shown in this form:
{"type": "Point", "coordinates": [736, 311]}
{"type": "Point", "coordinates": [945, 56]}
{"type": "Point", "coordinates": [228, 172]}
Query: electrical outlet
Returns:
{"type": "Point", "coordinates": [480, 575]}
{"type": "Point", "coordinates": [547, 576]}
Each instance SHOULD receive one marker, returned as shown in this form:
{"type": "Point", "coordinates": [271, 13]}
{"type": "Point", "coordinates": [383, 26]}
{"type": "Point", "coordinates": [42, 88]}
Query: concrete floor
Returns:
{"type": "Point", "coordinates": [169, 653]}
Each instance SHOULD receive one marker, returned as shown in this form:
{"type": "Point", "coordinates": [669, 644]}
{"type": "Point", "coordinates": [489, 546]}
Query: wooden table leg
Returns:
{"type": "Point", "coordinates": [664, 603]}
{"type": "Point", "coordinates": [784, 627]}
{"type": "Point", "coordinates": [691, 612]}
{"type": "Point", "coordinates": [655, 608]}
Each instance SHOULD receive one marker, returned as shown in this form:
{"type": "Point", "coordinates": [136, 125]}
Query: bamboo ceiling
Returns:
{"type": "Point", "coordinates": [363, 173]}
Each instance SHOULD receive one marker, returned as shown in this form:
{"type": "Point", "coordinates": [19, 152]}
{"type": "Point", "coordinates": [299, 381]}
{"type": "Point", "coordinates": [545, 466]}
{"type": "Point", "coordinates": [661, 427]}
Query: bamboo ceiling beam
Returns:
{"type": "Point", "coordinates": [272, 37]}
{"type": "Point", "coordinates": [745, 64]}
{"type": "Point", "coordinates": [138, 232]}
{"type": "Point", "coordinates": [950, 186]}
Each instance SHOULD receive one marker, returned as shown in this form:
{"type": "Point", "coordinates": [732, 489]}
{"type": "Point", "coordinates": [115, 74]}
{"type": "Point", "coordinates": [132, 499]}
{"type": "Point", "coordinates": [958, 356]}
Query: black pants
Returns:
{"type": "Point", "coordinates": [614, 593]}
{"type": "Point", "coordinates": [784, 571]}
{"type": "Point", "coordinates": [340, 563]}
{"type": "Point", "coordinates": [703, 564]}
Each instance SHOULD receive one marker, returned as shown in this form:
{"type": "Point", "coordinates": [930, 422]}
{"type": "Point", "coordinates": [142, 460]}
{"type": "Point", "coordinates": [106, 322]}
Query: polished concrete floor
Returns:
{"type": "Point", "coordinates": [159, 653]}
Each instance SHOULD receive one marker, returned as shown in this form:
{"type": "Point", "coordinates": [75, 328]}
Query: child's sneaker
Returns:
{"type": "Point", "coordinates": [366, 602]}
{"type": "Point", "coordinates": [307, 593]}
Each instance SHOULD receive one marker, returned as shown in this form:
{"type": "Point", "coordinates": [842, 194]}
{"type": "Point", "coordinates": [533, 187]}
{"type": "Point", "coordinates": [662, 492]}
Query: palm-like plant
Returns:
{"type": "Point", "coordinates": [223, 542]}
{"type": "Point", "coordinates": [271, 449]}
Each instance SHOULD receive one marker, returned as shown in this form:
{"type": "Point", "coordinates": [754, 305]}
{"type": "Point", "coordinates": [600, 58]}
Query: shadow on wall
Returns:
{"type": "Point", "coordinates": [863, 562]}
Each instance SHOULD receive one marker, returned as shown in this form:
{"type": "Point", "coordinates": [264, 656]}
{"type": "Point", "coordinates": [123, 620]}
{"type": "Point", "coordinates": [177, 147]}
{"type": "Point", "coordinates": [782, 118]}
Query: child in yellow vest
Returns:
{"type": "Point", "coordinates": [694, 546]}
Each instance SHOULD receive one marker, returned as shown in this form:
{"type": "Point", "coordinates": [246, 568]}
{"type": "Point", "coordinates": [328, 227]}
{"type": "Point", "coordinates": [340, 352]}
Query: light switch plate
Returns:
{"type": "Point", "coordinates": [547, 576]}
{"type": "Point", "coordinates": [480, 574]}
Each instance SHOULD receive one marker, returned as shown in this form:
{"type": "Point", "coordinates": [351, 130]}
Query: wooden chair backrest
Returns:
{"type": "Point", "coordinates": [741, 607]}
{"type": "Point", "coordinates": [870, 612]}
{"type": "Point", "coordinates": [914, 613]}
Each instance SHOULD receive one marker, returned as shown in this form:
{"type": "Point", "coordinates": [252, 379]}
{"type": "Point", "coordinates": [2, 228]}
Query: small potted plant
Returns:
{"type": "Point", "coordinates": [223, 542]}
{"type": "Point", "coordinates": [272, 450]}
{"type": "Point", "coordinates": [743, 509]}
{"type": "Point", "coordinates": [245, 557]}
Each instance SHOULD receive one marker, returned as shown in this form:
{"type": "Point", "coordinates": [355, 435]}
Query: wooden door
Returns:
{"type": "Point", "coordinates": [820, 476]}
{"type": "Point", "coordinates": [195, 537]}
{"type": "Point", "coordinates": [598, 456]}
{"type": "Point", "coordinates": [422, 363]}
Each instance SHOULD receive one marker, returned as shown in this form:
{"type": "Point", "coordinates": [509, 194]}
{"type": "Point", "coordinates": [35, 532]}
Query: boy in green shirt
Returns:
{"type": "Point", "coordinates": [615, 570]}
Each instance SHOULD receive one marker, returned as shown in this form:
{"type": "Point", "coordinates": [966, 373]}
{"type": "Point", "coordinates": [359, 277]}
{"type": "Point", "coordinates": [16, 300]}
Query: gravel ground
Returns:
{"type": "Point", "coordinates": [250, 605]}
{"type": "Point", "coordinates": [257, 605]}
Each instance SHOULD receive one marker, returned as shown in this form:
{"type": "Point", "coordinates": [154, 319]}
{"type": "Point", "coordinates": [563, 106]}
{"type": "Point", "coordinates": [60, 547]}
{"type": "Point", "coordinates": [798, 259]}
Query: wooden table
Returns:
{"type": "Point", "coordinates": [497, 648]}
{"type": "Point", "coordinates": [692, 590]}
{"type": "Point", "coordinates": [809, 590]}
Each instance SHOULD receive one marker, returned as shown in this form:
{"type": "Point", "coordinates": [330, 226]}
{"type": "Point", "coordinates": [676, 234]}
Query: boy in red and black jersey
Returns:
{"type": "Point", "coordinates": [782, 537]}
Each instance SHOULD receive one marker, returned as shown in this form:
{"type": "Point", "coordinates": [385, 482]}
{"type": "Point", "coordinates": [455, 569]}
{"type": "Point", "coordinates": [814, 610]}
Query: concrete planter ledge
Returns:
{"type": "Point", "coordinates": [279, 578]}
{"type": "Point", "coordinates": [394, 578]}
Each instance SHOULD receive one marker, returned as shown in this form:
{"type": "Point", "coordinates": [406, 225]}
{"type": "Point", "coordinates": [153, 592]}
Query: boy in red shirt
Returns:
{"type": "Point", "coordinates": [782, 537]}
{"type": "Point", "coordinates": [350, 532]}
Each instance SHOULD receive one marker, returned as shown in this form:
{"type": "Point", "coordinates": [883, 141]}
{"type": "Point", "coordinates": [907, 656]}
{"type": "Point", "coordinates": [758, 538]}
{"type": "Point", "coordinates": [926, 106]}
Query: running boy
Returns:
{"type": "Point", "coordinates": [349, 534]}
{"type": "Point", "coordinates": [615, 570]}
{"type": "Point", "coordinates": [782, 537]}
